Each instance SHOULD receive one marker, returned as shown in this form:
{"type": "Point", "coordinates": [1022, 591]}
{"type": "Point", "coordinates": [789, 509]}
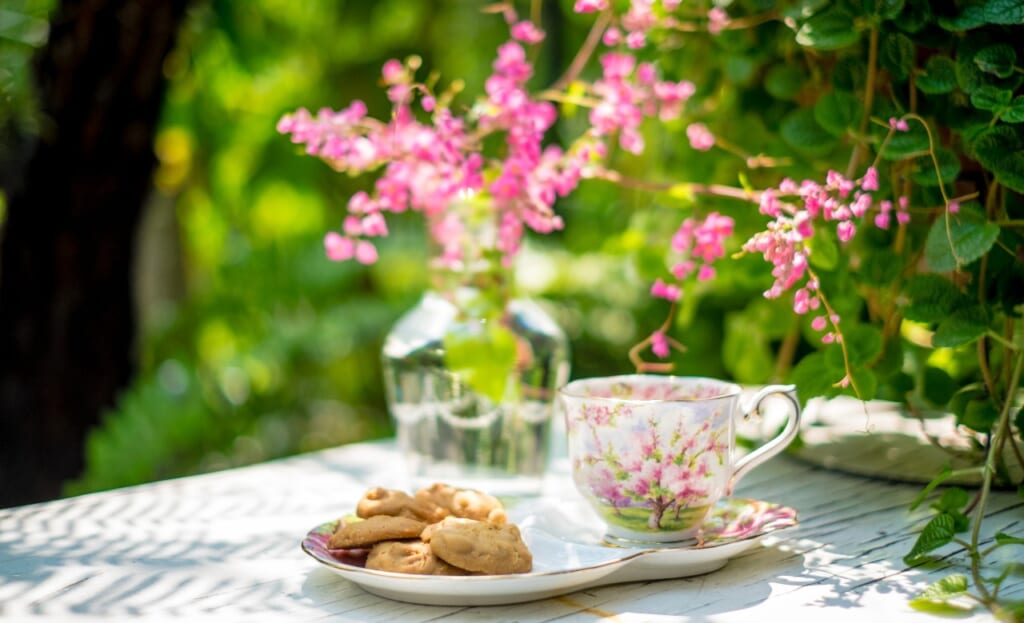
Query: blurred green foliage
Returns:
{"type": "Point", "coordinates": [273, 349]}
{"type": "Point", "coordinates": [270, 349]}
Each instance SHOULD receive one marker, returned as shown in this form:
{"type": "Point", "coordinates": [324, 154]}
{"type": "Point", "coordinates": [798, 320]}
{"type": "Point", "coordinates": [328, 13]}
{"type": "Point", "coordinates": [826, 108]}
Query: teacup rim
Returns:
{"type": "Point", "coordinates": [730, 389]}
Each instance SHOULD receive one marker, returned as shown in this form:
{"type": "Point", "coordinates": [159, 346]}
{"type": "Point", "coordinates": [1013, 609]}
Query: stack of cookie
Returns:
{"type": "Point", "coordinates": [440, 530]}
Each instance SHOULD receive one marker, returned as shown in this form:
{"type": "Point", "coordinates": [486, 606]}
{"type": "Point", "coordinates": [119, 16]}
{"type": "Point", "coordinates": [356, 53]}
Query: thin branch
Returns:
{"type": "Point", "coordinates": [869, 98]}
{"type": "Point", "coordinates": [717, 190]}
{"type": "Point", "coordinates": [739, 23]}
{"type": "Point", "coordinates": [584, 53]}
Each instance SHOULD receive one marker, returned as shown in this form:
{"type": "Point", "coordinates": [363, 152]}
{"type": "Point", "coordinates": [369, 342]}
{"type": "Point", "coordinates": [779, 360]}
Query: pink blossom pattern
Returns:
{"type": "Point", "coordinates": [670, 459]}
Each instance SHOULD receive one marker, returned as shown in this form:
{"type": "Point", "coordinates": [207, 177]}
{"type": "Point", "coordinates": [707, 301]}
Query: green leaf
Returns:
{"type": "Point", "coordinates": [1001, 150]}
{"type": "Point", "coordinates": [952, 499]}
{"type": "Point", "coordinates": [932, 298]}
{"type": "Point", "coordinates": [1014, 113]}
{"type": "Point", "coordinates": [939, 76]}
{"type": "Point", "coordinates": [1006, 539]}
{"type": "Point", "coordinates": [979, 415]}
{"type": "Point", "coordinates": [800, 130]}
{"type": "Point", "coordinates": [848, 74]}
{"type": "Point", "coordinates": [881, 268]}
{"type": "Point", "coordinates": [935, 598]}
{"type": "Point", "coordinates": [838, 112]}
{"type": "Point", "coordinates": [811, 378]}
{"type": "Point", "coordinates": [991, 98]}
{"type": "Point", "coordinates": [937, 387]}
{"type": "Point", "coordinates": [915, 17]}
{"type": "Point", "coordinates": [830, 30]}
{"type": "Point", "coordinates": [1004, 12]}
{"type": "Point", "coordinates": [949, 168]}
{"type": "Point", "coordinates": [885, 9]}
{"type": "Point", "coordinates": [864, 384]}
{"type": "Point", "coordinates": [891, 361]}
{"type": "Point", "coordinates": [997, 60]}
{"type": "Point", "coordinates": [486, 360]}
{"type": "Point", "coordinates": [745, 351]}
{"type": "Point", "coordinates": [896, 54]}
{"type": "Point", "coordinates": [824, 250]}
{"type": "Point", "coordinates": [963, 327]}
{"type": "Point", "coordinates": [785, 82]}
{"type": "Point", "coordinates": [972, 16]}
{"type": "Point", "coordinates": [904, 144]}
{"type": "Point", "coordinates": [938, 532]}
{"type": "Point", "coordinates": [963, 397]}
{"type": "Point", "coordinates": [956, 240]}
{"type": "Point", "coordinates": [863, 344]}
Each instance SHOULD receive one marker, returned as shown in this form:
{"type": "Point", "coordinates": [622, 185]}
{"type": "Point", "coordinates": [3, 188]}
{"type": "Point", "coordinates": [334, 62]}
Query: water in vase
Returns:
{"type": "Point", "coordinates": [450, 433]}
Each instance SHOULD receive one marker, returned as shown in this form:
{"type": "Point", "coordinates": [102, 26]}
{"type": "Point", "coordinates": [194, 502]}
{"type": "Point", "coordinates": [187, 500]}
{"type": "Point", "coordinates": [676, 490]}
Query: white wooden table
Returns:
{"type": "Point", "coordinates": [225, 546]}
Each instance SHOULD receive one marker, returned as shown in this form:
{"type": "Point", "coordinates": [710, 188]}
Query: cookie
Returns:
{"type": "Point", "coordinates": [481, 547]}
{"type": "Point", "coordinates": [381, 501]}
{"type": "Point", "coordinates": [414, 557]}
{"type": "Point", "coordinates": [374, 530]}
{"type": "Point", "coordinates": [466, 503]}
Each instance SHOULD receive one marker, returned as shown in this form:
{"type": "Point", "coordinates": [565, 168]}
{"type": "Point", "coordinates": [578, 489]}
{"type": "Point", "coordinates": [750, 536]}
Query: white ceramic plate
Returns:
{"type": "Point", "coordinates": [569, 554]}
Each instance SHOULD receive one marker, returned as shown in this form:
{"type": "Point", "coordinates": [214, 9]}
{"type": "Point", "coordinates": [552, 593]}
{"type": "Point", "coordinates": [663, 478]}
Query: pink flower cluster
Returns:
{"type": "Point", "coordinates": [795, 210]}
{"type": "Point", "coordinates": [698, 245]}
{"type": "Point", "coordinates": [430, 166]}
{"type": "Point", "coordinates": [628, 92]}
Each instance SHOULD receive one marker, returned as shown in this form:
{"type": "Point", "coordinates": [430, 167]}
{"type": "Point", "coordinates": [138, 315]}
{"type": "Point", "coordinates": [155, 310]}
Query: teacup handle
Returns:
{"type": "Point", "coordinates": [774, 446]}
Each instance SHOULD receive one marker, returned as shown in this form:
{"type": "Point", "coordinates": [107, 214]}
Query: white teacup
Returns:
{"type": "Point", "coordinates": [653, 454]}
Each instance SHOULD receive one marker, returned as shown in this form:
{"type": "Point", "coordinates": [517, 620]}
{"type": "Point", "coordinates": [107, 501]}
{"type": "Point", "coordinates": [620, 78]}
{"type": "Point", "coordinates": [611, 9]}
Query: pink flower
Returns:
{"type": "Point", "coordinates": [338, 247]}
{"type": "Point", "coordinates": [612, 36]}
{"type": "Point", "coordinates": [700, 137]}
{"type": "Point", "coordinates": [717, 20]}
{"type": "Point", "coordinates": [669, 292]}
{"type": "Point", "coordinates": [393, 72]}
{"type": "Point", "coordinates": [898, 124]}
{"type": "Point", "coordinates": [659, 344]}
{"type": "Point", "coordinates": [527, 32]}
{"type": "Point", "coordinates": [953, 207]}
{"type": "Point", "coordinates": [352, 226]}
{"type": "Point", "coordinates": [819, 323]}
{"type": "Point", "coordinates": [845, 230]}
{"type": "Point", "coordinates": [636, 40]}
{"type": "Point", "coordinates": [870, 179]}
{"type": "Point", "coordinates": [365, 252]}
{"type": "Point", "coordinates": [589, 6]}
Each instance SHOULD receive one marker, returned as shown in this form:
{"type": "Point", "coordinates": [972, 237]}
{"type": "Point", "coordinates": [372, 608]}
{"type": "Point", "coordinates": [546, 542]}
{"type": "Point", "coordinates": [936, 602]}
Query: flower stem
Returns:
{"type": "Point", "coordinates": [584, 53]}
{"type": "Point", "coordinates": [717, 190]}
{"type": "Point", "coordinates": [869, 98]}
{"type": "Point", "coordinates": [1002, 429]}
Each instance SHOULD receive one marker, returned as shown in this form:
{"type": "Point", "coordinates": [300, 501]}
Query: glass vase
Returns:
{"type": "Point", "coordinates": [471, 373]}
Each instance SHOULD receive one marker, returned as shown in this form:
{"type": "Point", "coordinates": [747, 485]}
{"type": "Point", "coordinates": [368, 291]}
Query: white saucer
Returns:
{"type": "Point", "coordinates": [570, 553]}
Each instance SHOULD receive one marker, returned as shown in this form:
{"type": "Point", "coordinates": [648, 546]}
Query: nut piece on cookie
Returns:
{"type": "Point", "coordinates": [466, 503]}
{"type": "Point", "coordinates": [481, 547]}
{"type": "Point", "coordinates": [381, 501]}
{"type": "Point", "coordinates": [374, 530]}
{"type": "Point", "coordinates": [409, 557]}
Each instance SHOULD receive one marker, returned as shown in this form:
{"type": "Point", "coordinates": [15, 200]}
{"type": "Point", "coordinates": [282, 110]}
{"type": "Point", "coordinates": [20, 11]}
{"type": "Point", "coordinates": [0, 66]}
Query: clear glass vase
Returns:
{"type": "Point", "coordinates": [471, 374]}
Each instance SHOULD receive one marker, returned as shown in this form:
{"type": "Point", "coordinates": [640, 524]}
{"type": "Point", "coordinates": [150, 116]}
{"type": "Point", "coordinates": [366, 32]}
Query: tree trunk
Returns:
{"type": "Point", "coordinates": [67, 322]}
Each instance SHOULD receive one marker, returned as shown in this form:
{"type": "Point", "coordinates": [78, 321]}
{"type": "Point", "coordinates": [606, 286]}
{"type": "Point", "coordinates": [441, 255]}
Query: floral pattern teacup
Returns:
{"type": "Point", "coordinates": [653, 454]}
